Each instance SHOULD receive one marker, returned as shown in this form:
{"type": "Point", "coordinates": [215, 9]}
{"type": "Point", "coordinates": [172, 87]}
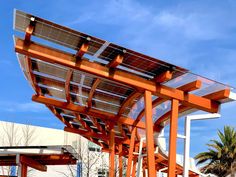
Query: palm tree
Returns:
{"type": "Point", "coordinates": [221, 155]}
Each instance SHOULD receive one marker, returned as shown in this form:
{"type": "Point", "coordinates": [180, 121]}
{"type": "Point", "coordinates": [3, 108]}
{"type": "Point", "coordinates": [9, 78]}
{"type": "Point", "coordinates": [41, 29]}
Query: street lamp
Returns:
{"type": "Point", "coordinates": [186, 138]}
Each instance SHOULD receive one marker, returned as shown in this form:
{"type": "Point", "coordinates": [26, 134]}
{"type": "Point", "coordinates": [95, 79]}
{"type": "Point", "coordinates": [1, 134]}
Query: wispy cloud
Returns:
{"type": "Point", "coordinates": [21, 107]}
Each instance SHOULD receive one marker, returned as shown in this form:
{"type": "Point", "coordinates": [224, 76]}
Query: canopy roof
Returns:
{"type": "Point", "coordinates": [44, 155]}
{"type": "Point", "coordinates": [91, 84]}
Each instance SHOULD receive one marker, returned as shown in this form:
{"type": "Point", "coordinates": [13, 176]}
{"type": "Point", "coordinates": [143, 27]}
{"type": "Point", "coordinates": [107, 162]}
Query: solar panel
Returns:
{"type": "Point", "coordinates": [51, 80]}
{"type": "Point", "coordinates": [56, 33]}
{"type": "Point", "coordinates": [135, 62]}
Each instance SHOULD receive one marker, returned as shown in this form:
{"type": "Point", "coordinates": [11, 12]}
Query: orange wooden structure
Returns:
{"type": "Point", "coordinates": [109, 94]}
{"type": "Point", "coordinates": [36, 157]}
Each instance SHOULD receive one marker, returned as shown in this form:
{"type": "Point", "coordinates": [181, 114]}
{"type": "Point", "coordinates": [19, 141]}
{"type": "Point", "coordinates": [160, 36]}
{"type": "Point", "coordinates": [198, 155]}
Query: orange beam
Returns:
{"type": "Point", "coordinates": [219, 95]}
{"type": "Point", "coordinates": [173, 138]}
{"type": "Point", "coordinates": [90, 134]}
{"type": "Point", "coordinates": [116, 61]}
{"type": "Point", "coordinates": [112, 152]}
{"type": "Point", "coordinates": [149, 134]}
{"type": "Point", "coordinates": [191, 86]}
{"type": "Point", "coordinates": [32, 163]}
{"type": "Point", "coordinates": [55, 56]}
{"type": "Point", "coordinates": [186, 88]}
{"type": "Point", "coordinates": [100, 128]}
{"type": "Point", "coordinates": [167, 75]}
{"type": "Point", "coordinates": [86, 133]}
{"type": "Point", "coordinates": [131, 150]}
{"type": "Point", "coordinates": [120, 161]}
{"type": "Point", "coordinates": [156, 102]}
{"type": "Point", "coordinates": [23, 170]}
{"type": "Point", "coordinates": [67, 85]}
{"type": "Point", "coordinates": [129, 100]}
{"type": "Point", "coordinates": [32, 79]}
{"type": "Point", "coordinates": [84, 124]}
{"type": "Point", "coordinates": [83, 110]}
{"type": "Point", "coordinates": [83, 49]}
{"type": "Point", "coordinates": [53, 110]}
{"type": "Point", "coordinates": [134, 167]}
{"type": "Point", "coordinates": [92, 91]}
{"type": "Point", "coordinates": [28, 32]}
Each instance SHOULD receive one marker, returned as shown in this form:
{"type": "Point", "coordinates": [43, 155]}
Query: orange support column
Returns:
{"type": "Point", "coordinates": [23, 170]}
{"type": "Point", "coordinates": [120, 161]}
{"type": "Point", "coordinates": [149, 134]}
{"type": "Point", "coordinates": [144, 172]}
{"type": "Point", "coordinates": [131, 150]}
{"type": "Point", "coordinates": [173, 138]}
{"type": "Point", "coordinates": [112, 153]}
{"type": "Point", "coordinates": [134, 167]}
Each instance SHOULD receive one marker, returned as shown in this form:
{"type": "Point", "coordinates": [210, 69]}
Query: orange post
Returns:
{"type": "Point", "coordinates": [149, 134]}
{"type": "Point", "coordinates": [23, 170]}
{"type": "Point", "coordinates": [144, 172]}
{"type": "Point", "coordinates": [131, 150]}
{"type": "Point", "coordinates": [134, 167]}
{"type": "Point", "coordinates": [173, 138]}
{"type": "Point", "coordinates": [112, 152]}
{"type": "Point", "coordinates": [120, 161]}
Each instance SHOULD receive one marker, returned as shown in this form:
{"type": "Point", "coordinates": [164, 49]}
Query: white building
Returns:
{"type": "Point", "coordinates": [13, 134]}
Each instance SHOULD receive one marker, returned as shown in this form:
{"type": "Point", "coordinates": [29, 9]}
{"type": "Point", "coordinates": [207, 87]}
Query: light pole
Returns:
{"type": "Point", "coordinates": [186, 138]}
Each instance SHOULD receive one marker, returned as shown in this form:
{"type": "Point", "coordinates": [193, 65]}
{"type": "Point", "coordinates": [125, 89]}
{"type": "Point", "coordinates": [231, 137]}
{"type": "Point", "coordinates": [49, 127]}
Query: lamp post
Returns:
{"type": "Point", "coordinates": [186, 138]}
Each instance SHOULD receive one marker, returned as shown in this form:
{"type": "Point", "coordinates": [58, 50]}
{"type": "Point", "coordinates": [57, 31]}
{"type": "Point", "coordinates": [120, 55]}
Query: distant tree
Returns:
{"type": "Point", "coordinates": [221, 155]}
{"type": "Point", "coordinates": [15, 136]}
{"type": "Point", "coordinates": [88, 157]}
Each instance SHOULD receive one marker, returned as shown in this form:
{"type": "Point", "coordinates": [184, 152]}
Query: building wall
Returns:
{"type": "Point", "coordinates": [92, 160]}
{"type": "Point", "coordinates": [13, 134]}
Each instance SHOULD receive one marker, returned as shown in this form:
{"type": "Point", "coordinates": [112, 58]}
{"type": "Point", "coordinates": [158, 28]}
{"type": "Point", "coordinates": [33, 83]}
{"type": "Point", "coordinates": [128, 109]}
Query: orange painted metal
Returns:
{"type": "Point", "coordinates": [116, 61]}
{"type": "Point", "coordinates": [220, 95]}
{"type": "Point", "coordinates": [173, 138]}
{"type": "Point", "coordinates": [191, 86]}
{"type": "Point", "coordinates": [112, 152]}
{"type": "Point", "coordinates": [84, 124]}
{"type": "Point", "coordinates": [23, 170]}
{"type": "Point", "coordinates": [28, 33]}
{"type": "Point", "coordinates": [83, 49]}
{"type": "Point", "coordinates": [32, 163]}
{"type": "Point", "coordinates": [67, 85]}
{"type": "Point", "coordinates": [134, 167]}
{"type": "Point", "coordinates": [186, 88]}
{"type": "Point", "coordinates": [52, 109]}
{"type": "Point", "coordinates": [83, 110]}
{"type": "Point", "coordinates": [149, 134]}
{"type": "Point", "coordinates": [120, 160]}
{"type": "Point", "coordinates": [92, 91]}
{"type": "Point", "coordinates": [131, 151]}
{"type": "Point", "coordinates": [54, 56]}
{"type": "Point", "coordinates": [128, 101]}
{"type": "Point", "coordinates": [32, 78]}
{"type": "Point", "coordinates": [163, 77]}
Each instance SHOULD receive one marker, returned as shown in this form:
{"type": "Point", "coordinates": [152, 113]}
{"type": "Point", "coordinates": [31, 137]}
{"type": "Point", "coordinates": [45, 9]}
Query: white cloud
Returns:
{"type": "Point", "coordinates": [21, 107]}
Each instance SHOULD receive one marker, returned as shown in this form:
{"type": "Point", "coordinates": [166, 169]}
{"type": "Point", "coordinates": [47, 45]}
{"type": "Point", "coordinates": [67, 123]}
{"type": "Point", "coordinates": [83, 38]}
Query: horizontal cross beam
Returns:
{"type": "Point", "coordinates": [83, 110]}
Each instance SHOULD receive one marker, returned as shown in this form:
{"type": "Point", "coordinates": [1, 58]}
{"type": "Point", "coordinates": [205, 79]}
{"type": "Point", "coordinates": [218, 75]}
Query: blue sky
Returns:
{"type": "Point", "coordinates": [198, 35]}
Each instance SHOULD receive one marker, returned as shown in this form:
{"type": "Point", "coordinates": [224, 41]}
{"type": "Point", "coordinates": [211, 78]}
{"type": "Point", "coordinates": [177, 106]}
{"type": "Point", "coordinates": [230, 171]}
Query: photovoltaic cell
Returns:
{"type": "Point", "coordinates": [73, 39]}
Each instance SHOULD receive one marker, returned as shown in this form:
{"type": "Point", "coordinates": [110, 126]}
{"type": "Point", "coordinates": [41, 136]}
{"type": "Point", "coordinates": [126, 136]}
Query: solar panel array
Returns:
{"type": "Point", "coordinates": [145, 65]}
